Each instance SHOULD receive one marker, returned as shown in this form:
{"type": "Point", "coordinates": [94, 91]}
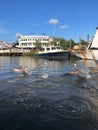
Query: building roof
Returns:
{"type": "Point", "coordinates": [5, 44]}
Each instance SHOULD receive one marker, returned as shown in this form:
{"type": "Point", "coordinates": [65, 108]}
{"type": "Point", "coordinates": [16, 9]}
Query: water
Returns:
{"type": "Point", "coordinates": [46, 99]}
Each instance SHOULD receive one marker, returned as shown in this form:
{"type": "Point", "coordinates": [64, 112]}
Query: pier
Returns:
{"type": "Point", "coordinates": [13, 52]}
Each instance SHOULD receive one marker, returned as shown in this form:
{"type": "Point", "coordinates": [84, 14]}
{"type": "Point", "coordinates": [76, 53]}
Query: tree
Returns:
{"type": "Point", "coordinates": [70, 44]}
{"type": "Point", "coordinates": [83, 42]}
{"type": "Point", "coordinates": [61, 42]}
{"type": "Point", "coordinates": [38, 44]}
{"type": "Point", "coordinates": [15, 43]}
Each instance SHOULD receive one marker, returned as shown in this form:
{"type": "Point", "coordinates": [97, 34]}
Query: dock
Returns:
{"type": "Point", "coordinates": [13, 52]}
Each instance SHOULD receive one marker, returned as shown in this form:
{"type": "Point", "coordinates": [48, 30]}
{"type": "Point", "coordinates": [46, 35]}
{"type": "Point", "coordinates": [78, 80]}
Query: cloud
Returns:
{"type": "Point", "coordinates": [64, 27]}
{"type": "Point", "coordinates": [54, 21]}
{"type": "Point", "coordinates": [18, 35]}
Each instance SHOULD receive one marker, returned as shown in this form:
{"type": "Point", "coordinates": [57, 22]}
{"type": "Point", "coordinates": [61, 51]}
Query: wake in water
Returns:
{"type": "Point", "coordinates": [44, 76]}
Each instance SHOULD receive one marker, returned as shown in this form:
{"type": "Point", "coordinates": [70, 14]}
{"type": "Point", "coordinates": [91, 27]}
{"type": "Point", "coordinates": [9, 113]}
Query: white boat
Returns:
{"type": "Point", "coordinates": [53, 52]}
{"type": "Point", "coordinates": [91, 53]}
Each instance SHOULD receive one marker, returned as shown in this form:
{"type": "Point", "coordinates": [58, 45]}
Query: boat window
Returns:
{"type": "Point", "coordinates": [53, 48]}
{"type": "Point", "coordinates": [58, 48]}
{"type": "Point", "coordinates": [94, 48]}
{"type": "Point", "coordinates": [48, 48]}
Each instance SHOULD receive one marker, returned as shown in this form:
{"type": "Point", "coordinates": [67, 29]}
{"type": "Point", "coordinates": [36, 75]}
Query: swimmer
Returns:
{"type": "Point", "coordinates": [20, 70]}
{"type": "Point", "coordinates": [78, 71]}
{"type": "Point", "coordinates": [75, 67]}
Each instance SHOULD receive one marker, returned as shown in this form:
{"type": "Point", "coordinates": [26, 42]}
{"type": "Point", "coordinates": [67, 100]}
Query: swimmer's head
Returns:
{"type": "Point", "coordinates": [75, 66]}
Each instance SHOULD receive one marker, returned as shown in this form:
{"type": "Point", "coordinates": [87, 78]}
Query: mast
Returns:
{"type": "Point", "coordinates": [79, 41]}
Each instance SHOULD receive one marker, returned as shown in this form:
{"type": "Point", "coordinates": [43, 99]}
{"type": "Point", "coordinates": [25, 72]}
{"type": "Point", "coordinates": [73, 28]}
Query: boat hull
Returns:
{"type": "Point", "coordinates": [91, 53]}
{"type": "Point", "coordinates": [85, 55]}
{"type": "Point", "coordinates": [64, 55]}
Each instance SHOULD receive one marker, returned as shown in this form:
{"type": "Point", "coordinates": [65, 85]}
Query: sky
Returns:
{"type": "Point", "coordinates": [58, 18]}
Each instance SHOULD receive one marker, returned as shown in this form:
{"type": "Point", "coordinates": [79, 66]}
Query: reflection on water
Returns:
{"type": "Point", "coordinates": [46, 99]}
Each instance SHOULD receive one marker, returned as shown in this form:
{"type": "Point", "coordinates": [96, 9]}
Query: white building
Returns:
{"type": "Point", "coordinates": [30, 41]}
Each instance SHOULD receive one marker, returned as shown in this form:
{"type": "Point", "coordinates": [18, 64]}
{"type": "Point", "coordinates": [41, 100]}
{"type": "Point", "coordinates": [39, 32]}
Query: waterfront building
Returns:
{"type": "Point", "coordinates": [31, 41]}
{"type": "Point", "coordinates": [4, 45]}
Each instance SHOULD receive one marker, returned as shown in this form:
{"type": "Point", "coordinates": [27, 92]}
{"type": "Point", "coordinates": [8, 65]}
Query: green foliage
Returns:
{"type": "Point", "coordinates": [61, 42]}
{"type": "Point", "coordinates": [82, 42]}
{"type": "Point", "coordinates": [31, 53]}
{"type": "Point", "coordinates": [15, 43]}
{"type": "Point", "coordinates": [70, 43]}
{"type": "Point", "coordinates": [65, 43]}
{"type": "Point", "coordinates": [38, 44]}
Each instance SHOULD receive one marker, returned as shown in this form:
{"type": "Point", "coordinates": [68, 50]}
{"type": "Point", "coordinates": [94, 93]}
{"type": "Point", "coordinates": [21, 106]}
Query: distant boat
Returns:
{"type": "Point", "coordinates": [53, 53]}
{"type": "Point", "coordinates": [91, 53]}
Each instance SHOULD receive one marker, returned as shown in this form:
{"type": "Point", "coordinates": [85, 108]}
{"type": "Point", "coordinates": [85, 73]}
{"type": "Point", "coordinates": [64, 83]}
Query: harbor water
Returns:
{"type": "Point", "coordinates": [46, 98]}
